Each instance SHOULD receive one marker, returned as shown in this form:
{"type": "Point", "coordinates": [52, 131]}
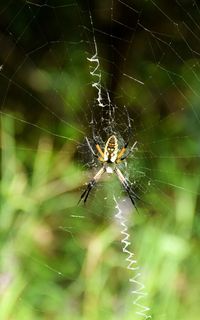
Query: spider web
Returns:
{"type": "Point", "coordinates": [68, 68]}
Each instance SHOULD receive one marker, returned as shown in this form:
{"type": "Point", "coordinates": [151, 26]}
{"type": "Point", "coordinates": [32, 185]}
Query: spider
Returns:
{"type": "Point", "coordinates": [110, 158]}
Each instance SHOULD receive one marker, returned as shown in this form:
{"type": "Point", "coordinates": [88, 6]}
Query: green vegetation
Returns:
{"type": "Point", "coordinates": [63, 261]}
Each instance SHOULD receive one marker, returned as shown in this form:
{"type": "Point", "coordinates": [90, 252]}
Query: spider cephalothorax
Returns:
{"type": "Point", "coordinates": [110, 158]}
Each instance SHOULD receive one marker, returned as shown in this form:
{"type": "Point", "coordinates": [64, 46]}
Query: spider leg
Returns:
{"type": "Point", "coordinates": [85, 194]}
{"type": "Point", "coordinates": [129, 129]}
{"type": "Point", "coordinates": [91, 149]}
{"type": "Point", "coordinates": [95, 141]}
{"type": "Point", "coordinates": [99, 150]}
{"type": "Point", "coordinates": [120, 158]}
{"type": "Point", "coordinates": [132, 195]}
{"type": "Point", "coordinates": [91, 184]}
{"type": "Point", "coordinates": [122, 151]}
{"type": "Point", "coordinates": [93, 123]}
{"type": "Point", "coordinates": [120, 154]}
{"type": "Point", "coordinates": [93, 152]}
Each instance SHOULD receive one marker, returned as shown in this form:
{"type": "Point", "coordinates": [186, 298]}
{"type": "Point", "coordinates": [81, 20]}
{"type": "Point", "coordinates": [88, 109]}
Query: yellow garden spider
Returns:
{"type": "Point", "coordinates": [110, 158]}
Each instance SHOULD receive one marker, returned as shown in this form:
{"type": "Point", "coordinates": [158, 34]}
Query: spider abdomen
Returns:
{"type": "Point", "coordinates": [111, 149]}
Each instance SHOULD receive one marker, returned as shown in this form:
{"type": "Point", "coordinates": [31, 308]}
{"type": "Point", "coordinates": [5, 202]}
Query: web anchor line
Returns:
{"type": "Point", "coordinates": [139, 289]}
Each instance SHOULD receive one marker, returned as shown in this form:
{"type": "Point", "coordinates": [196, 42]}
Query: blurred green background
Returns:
{"type": "Point", "coordinates": [60, 260]}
